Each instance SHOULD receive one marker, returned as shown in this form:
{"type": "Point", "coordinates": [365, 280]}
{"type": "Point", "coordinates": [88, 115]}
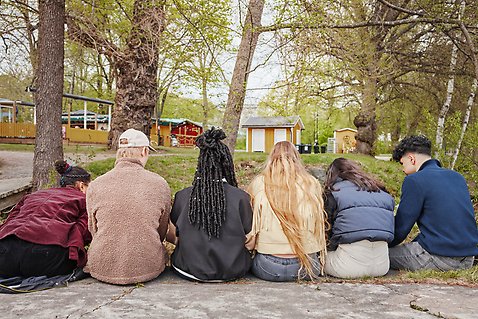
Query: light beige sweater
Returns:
{"type": "Point", "coordinates": [128, 213]}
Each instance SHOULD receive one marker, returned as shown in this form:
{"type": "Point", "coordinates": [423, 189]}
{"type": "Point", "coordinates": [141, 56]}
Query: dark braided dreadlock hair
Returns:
{"type": "Point", "coordinates": [207, 204]}
{"type": "Point", "coordinates": [71, 174]}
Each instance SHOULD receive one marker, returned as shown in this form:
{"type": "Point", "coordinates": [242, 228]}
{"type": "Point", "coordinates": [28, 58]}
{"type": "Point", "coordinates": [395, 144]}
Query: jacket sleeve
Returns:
{"type": "Point", "coordinates": [15, 210]}
{"type": "Point", "coordinates": [409, 210]}
{"type": "Point", "coordinates": [245, 211]}
{"type": "Point", "coordinates": [82, 226]}
{"type": "Point", "coordinates": [176, 209]}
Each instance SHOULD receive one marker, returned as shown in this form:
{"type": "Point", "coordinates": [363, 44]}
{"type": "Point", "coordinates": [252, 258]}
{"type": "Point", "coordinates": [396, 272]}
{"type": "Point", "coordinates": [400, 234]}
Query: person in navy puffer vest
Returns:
{"type": "Point", "coordinates": [438, 201]}
{"type": "Point", "coordinates": [360, 214]}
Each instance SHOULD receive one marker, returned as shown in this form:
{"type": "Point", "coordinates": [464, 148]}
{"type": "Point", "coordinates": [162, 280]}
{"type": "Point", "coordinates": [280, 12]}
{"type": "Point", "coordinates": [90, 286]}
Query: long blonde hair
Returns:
{"type": "Point", "coordinates": [285, 178]}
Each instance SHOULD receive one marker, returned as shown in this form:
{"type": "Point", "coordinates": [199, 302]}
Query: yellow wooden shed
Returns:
{"type": "Point", "coordinates": [344, 140]}
{"type": "Point", "coordinates": [264, 132]}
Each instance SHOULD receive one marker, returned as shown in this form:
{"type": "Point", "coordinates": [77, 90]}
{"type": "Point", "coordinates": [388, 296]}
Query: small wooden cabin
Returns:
{"type": "Point", "coordinates": [264, 132]}
{"type": "Point", "coordinates": [344, 140]}
{"type": "Point", "coordinates": [185, 131]}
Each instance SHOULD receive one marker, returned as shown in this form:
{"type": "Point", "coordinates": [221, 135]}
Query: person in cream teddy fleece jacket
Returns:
{"type": "Point", "coordinates": [128, 214]}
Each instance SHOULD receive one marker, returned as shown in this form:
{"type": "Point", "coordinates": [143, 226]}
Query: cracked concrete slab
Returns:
{"type": "Point", "coordinates": [171, 297]}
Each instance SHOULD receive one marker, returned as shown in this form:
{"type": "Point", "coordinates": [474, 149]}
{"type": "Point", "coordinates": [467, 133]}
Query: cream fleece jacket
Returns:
{"type": "Point", "coordinates": [128, 213]}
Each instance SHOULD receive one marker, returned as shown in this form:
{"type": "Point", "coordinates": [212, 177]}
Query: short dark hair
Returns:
{"type": "Point", "coordinates": [414, 144]}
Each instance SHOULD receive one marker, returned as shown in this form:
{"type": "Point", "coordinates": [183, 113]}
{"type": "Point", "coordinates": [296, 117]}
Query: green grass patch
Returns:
{"type": "Point", "coordinates": [72, 148]}
{"type": "Point", "coordinates": [466, 275]}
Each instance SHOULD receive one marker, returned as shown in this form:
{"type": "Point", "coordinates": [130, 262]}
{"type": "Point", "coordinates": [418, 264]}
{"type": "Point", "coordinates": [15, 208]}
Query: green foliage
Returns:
{"type": "Point", "coordinates": [241, 143]}
{"type": "Point", "coordinates": [186, 108]}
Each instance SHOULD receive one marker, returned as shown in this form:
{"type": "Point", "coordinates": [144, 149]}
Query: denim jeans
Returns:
{"type": "Point", "coordinates": [273, 268]}
{"type": "Point", "coordinates": [413, 257]}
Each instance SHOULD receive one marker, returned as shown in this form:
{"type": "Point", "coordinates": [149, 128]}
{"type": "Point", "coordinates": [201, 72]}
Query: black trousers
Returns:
{"type": "Point", "coordinates": [22, 258]}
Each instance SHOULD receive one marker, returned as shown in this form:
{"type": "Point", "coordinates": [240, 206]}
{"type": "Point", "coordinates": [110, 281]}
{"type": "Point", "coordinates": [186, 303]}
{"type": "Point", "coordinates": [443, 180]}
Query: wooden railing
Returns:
{"type": "Point", "coordinates": [186, 140]}
{"type": "Point", "coordinates": [79, 135]}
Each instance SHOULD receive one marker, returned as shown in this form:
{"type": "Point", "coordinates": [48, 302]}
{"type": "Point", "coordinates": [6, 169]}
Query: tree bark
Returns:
{"type": "Point", "coordinates": [237, 90]}
{"type": "Point", "coordinates": [48, 97]}
{"type": "Point", "coordinates": [365, 121]}
{"type": "Point", "coordinates": [137, 67]}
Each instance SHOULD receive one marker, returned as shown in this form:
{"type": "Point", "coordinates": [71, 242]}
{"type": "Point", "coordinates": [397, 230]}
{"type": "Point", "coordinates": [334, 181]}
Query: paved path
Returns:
{"type": "Point", "coordinates": [172, 297]}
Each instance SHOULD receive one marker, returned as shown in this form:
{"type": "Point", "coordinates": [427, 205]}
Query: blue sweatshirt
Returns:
{"type": "Point", "coordinates": [438, 200]}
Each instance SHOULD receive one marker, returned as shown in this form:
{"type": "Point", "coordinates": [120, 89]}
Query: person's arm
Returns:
{"type": "Point", "coordinates": [245, 211]}
{"type": "Point", "coordinates": [171, 234]}
{"type": "Point", "coordinates": [165, 212]}
{"type": "Point", "coordinates": [409, 210]}
{"type": "Point", "coordinates": [15, 210]}
{"type": "Point", "coordinates": [251, 233]}
{"type": "Point", "coordinates": [82, 226]}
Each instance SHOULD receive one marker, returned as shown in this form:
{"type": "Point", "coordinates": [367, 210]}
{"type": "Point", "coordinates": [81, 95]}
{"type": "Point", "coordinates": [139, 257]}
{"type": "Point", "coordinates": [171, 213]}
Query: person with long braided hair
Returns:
{"type": "Point", "coordinates": [211, 218]}
{"type": "Point", "coordinates": [289, 219]}
{"type": "Point", "coordinates": [46, 232]}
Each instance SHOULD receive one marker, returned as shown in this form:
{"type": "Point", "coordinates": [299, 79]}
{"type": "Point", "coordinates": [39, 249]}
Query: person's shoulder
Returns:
{"type": "Point", "coordinates": [155, 177]}
{"type": "Point", "coordinates": [235, 191]}
{"type": "Point", "coordinates": [256, 184]}
{"type": "Point", "coordinates": [184, 193]}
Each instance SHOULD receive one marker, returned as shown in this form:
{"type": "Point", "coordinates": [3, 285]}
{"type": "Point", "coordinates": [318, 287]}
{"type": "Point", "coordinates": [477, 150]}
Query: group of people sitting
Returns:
{"type": "Point", "coordinates": [285, 226]}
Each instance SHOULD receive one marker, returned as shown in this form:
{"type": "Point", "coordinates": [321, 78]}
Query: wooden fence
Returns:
{"type": "Point", "coordinates": [78, 135]}
{"type": "Point", "coordinates": [17, 130]}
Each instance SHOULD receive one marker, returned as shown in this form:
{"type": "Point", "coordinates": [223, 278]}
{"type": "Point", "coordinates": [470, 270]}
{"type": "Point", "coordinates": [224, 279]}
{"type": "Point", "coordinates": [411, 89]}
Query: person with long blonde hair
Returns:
{"type": "Point", "coordinates": [288, 232]}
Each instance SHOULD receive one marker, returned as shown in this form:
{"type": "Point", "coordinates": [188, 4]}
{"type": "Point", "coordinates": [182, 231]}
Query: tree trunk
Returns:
{"type": "Point", "coordinates": [237, 90]}
{"type": "Point", "coordinates": [137, 67]}
{"type": "Point", "coordinates": [449, 93]}
{"type": "Point", "coordinates": [446, 106]}
{"type": "Point", "coordinates": [464, 126]}
{"type": "Point", "coordinates": [365, 121]}
{"type": "Point", "coordinates": [205, 105]}
{"type": "Point", "coordinates": [48, 97]}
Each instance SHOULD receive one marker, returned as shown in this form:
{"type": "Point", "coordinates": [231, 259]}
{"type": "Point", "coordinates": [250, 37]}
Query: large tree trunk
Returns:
{"type": "Point", "coordinates": [365, 121]}
{"type": "Point", "coordinates": [137, 94]}
{"type": "Point", "coordinates": [48, 97]}
{"type": "Point", "coordinates": [237, 90]}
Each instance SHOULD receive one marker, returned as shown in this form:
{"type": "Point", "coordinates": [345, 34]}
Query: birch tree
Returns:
{"type": "Point", "coordinates": [449, 92]}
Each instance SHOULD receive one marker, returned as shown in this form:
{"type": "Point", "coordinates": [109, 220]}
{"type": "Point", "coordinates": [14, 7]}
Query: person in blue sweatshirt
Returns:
{"type": "Point", "coordinates": [438, 201]}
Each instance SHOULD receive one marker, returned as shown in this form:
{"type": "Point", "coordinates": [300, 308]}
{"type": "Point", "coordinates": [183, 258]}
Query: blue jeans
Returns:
{"type": "Point", "coordinates": [272, 268]}
{"type": "Point", "coordinates": [413, 256]}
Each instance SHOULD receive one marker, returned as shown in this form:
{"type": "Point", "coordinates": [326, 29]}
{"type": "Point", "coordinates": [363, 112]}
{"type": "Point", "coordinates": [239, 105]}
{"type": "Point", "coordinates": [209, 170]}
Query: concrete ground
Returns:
{"type": "Point", "coordinates": [172, 297]}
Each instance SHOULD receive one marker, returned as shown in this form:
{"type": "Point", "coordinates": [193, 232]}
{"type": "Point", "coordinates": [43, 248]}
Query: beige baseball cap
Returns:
{"type": "Point", "coordinates": [134, 138]}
